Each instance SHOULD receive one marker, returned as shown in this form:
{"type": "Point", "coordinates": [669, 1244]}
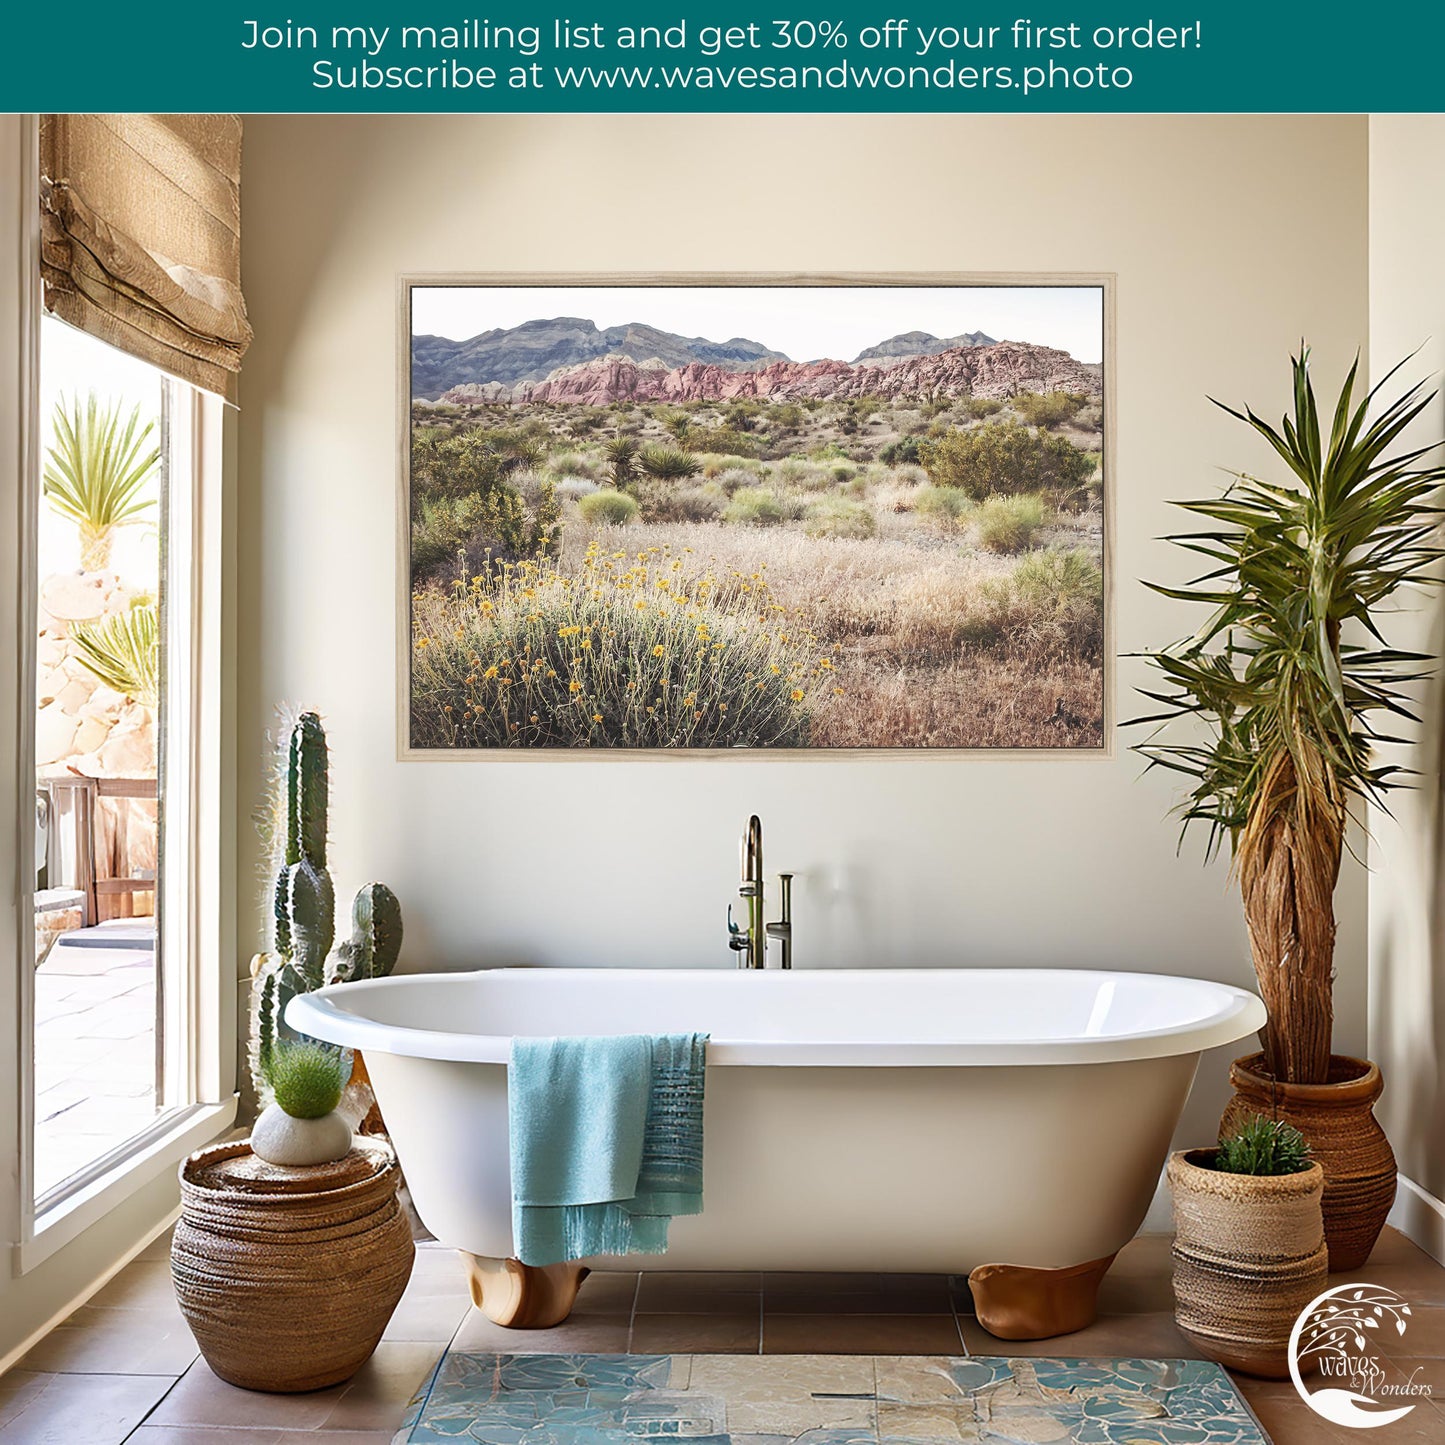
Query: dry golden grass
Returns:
{"type": "Point", "coordinates": [932, 648]}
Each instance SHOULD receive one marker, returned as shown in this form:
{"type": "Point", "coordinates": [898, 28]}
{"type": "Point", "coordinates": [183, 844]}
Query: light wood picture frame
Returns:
{"type": "Point", "coordinates": [809, 546]}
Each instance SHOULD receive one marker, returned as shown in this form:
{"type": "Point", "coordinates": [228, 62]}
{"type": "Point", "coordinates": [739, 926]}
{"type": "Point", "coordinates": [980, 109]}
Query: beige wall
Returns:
{"type": "Point", "coordinates": [1231, 238]}
{"type": "Point", "coordinates": [1407, 884]}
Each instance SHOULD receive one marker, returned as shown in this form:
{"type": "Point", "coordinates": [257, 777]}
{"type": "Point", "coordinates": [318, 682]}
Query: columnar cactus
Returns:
{"type": "Point", "coordinates": [303, 901]}
{"type": "Point", "coordinates": [375, 942]}
{"type": "Point", "coordinates": [303, 905]}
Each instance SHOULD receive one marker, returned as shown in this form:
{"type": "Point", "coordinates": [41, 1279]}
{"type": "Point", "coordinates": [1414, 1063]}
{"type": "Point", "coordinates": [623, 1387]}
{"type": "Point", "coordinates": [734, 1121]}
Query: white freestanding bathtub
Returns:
{"type": "Point", "coordinates": [896, 1120]}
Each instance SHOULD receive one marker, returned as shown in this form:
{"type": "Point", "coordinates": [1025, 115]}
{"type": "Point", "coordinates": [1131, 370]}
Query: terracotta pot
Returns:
{"type": "Point", "coordinates": [1337, 1119]}
{"type": "Point", "coordinates": [1249, 1255]}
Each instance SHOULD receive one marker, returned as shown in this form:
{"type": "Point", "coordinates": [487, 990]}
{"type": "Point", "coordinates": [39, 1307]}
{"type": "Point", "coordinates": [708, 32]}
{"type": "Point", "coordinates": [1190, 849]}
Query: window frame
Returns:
{"type": "Point", "coordinates": [194, 928]}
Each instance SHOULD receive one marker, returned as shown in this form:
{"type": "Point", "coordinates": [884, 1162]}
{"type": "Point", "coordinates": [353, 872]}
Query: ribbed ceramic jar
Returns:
{"type": "Point", "coordinates": [1337, 1118]}
{"type": "Point", "coordinates": [1249, 1255]}
{"type": "Point", "coordinates": [288, 1276]}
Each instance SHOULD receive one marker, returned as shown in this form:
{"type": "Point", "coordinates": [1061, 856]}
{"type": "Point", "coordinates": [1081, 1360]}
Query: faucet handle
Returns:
{"type": "Point", "coordinates": [737, 937]}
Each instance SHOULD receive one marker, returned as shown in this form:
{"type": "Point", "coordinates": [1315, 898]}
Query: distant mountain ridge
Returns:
{"type": "Point", "coordinates": [535, 349]}
{"type": "Point", "coordinates": [921, 343]}
{"type": "Point", "coordinates": [997, 369]}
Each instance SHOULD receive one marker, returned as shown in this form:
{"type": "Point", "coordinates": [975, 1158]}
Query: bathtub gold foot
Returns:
{"type": "Point", "coordinates": [1015, 1302]}
{"type": "Point", "coordinates": [522, 1296]}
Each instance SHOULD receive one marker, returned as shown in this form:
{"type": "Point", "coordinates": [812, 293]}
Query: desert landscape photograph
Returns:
{"type": "Point", "coordinates": [750, 516]}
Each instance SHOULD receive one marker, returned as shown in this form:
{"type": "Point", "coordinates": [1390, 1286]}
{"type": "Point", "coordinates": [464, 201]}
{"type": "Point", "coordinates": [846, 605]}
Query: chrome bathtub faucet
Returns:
{"type": "Point", "coordinates": [752, 942]}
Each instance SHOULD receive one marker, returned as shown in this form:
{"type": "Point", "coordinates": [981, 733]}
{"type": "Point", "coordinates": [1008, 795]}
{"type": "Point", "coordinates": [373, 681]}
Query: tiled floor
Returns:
{"type": "Point", "coordinates": [124, 1368]}
{"type": "Point", "coordinates": [95, 1055]}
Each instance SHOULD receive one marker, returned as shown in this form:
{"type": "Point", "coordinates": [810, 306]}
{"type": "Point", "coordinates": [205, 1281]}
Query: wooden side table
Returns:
{"type": "Point", "coordinates": [287, 1277]}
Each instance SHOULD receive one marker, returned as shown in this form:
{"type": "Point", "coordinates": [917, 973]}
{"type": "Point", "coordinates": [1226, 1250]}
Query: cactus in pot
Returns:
{"type": "Point", "coordinates": [370, 952]}
{"type": "Point", "coordinates": [302, 912]}
{"type": "Point", "coordinates": [303, 906]}
{"type": "Point", "coordinates": [375, 942]}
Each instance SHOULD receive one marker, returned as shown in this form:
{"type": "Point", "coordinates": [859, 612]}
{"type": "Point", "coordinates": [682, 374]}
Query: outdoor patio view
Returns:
{"type": "Point", "coordinates": [97, 993]}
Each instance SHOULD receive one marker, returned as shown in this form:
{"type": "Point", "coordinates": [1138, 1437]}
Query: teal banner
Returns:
{"type": "Point", "coordinates": [609, 55]}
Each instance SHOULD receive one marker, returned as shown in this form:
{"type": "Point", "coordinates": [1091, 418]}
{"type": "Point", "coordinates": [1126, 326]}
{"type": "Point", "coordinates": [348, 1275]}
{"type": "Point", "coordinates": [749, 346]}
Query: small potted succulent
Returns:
{"type": "Point", "coordinates": [1249, 1243]}
{"type": "Point", "coordinates": [301, 1125]}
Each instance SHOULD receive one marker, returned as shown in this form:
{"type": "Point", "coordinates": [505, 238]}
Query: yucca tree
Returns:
{"type": "Point", "coordinates": [620, 454]}
{"type": "Point", "coordinates": [123, 651]}
{"type": "Point", "coordinates": [1293, 681]}
{"type": "Point", "coordinates": [667, 464]}
{"type": "Point", "coordinates": [96, 469]}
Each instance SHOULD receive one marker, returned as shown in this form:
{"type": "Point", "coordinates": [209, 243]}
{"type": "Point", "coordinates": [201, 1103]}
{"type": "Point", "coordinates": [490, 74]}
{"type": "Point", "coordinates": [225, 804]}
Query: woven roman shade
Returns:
{"type": "Point", "coordinates": [141, 238]}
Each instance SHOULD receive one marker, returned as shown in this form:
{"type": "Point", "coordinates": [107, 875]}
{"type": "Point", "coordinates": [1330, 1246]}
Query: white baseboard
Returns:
{"type": "Point", "coordinates": [1420, 1217]}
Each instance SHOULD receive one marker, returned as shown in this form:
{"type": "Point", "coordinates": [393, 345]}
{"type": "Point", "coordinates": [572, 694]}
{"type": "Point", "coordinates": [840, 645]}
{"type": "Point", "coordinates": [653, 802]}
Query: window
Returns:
{"type": "Point", "coordinates": [114, 1046]}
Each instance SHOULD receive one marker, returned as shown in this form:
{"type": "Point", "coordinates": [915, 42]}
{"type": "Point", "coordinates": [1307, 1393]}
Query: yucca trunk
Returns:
{"type": "Point", "coordinates": [95, 548]}
{"type": "Point", "coordinates": [1289, 862]}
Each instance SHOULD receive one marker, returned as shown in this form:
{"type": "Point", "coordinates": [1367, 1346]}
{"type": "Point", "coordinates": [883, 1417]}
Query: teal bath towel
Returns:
{"type": "Point", "coordinates": [606, 1142]}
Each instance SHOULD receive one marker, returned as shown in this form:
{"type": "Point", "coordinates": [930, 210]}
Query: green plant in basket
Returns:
{"type": "Point", "coordinates": [1263, 1146]}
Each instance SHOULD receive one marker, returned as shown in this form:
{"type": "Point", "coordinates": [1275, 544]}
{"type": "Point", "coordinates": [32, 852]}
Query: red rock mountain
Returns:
{"type": "Point", "coordinates": [1001, 370]}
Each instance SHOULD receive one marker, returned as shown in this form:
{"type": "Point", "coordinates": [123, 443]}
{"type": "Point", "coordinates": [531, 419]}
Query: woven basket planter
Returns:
{"type": "Point", "coordinates": [287, 1277]}
{"type": "Point", "coordinates": [1249, 1255]}
{"type": "Point", "coordinates": [1345, 1139]}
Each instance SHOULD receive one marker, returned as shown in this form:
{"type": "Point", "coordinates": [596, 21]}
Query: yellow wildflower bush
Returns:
{"type": "Point", "coordinates": [635, 650]}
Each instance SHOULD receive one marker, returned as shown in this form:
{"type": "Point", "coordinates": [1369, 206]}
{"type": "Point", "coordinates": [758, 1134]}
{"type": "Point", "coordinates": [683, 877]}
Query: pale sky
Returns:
{"type": "Point", "coordinates": [805, 322]}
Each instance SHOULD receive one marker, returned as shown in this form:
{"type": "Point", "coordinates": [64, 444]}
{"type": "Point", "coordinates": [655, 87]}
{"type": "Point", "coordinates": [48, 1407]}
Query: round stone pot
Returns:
{"type": "Point", "coordinates": [1249, 1255]}
{"type": "Point", "coordinates": [288, 1276]}
{"type": "Point", "coordinates": [1346, 1141]}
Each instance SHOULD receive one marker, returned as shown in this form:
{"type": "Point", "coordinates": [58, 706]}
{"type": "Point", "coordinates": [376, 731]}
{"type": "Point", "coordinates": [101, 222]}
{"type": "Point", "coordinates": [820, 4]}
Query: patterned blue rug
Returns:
{"type": "Point", "coordinates": [825, 1400]}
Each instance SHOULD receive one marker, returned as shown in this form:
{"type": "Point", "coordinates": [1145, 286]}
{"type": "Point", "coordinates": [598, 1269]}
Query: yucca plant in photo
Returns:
{"type": "Point", "coordinates": [667, 464]}
{"type": "Point", "coordinates": [123, 651]}
{"type": "Point", "coordinates": [96, 470]}
{"type": "Point", "coordinates": [1291, 681]}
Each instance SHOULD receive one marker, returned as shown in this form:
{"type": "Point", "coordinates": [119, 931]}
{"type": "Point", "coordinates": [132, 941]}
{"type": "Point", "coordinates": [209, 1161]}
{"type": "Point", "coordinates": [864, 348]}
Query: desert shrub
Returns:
{"type": "Point", "coordinates": [735, 478]}
{"type": "Point", "coordinates": [899, 451]}
{"type": "Point", "coordinates": [667, 464]}
{"type": "Point", "coordinates": [835, 517]}
{"type": "Point", "coordinates": [786, 416]}
{"type": "Point", "coordinates": [1091, 417]}
{"type": "Point", "coordinates": [684, 504]}
{"type": "Point", "coordinates": [1010, 524]}
{"type": "Point", "coordinates": [1047, 408]}
{"type": "Point", "coordinates": [463, 533]}
{"type": "Point", "coordinates": [574, 464]}
{"type": "Point", "coordinates": [828, 452]}
{"type": "Point", "coordinates": [742, 412]}
{"type": "Point", "coordinates": [1005, 458]}
{"type": "Point", "coordinates": [841, 472]}
{"type": "Point", "coordinates": [575, 487]}
{"type": "Point", "coordinates": [633, 653]}
{"type": "Point", "coordinates": [755, 507]}
{"type": "Point", "coordinates": [947, 506]}
{"type": "Point", "coordinates": [608, 508]}
{"type": "Point", "coordinates": [979, 408]}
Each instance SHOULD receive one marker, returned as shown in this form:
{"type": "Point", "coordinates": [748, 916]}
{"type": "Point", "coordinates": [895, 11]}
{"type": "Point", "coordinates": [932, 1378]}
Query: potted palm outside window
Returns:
{"type": "Point", "coordinates": [1273, 710]}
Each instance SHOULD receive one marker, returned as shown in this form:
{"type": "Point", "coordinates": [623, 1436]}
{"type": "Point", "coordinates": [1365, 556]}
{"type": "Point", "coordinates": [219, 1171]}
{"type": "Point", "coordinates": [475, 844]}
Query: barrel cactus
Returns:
{"type": "Point", "coordinates": [375, 942]}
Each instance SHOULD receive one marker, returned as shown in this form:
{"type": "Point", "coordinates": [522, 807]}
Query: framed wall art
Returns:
{"type": "Point", "coordinates": [688, 513]}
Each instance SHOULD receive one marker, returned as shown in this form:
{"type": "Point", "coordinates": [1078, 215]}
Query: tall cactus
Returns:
{"type": "Point", "coordinates": [303, 903]}
{"type": "Point", "coordinates": [375, 942]}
